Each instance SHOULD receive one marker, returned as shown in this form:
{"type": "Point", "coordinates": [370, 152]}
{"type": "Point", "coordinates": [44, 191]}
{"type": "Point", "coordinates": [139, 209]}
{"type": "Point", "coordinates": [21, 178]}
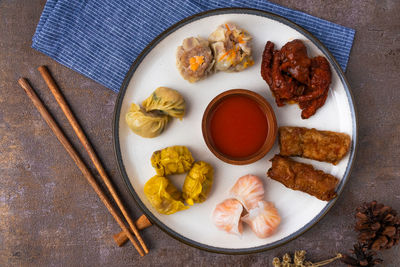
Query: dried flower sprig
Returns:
{"type": "Point", "coordinates": [299, 260]}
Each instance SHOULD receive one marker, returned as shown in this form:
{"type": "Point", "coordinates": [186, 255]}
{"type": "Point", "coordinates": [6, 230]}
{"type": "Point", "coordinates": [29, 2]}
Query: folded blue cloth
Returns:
{"type": "Point", "coordinates": [102, 38]}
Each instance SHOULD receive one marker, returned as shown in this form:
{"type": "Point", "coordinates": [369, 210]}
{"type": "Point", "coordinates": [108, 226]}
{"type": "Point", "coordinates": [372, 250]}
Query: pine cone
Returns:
{"type": "Point", "coordinates": [378, 225]}
{"type": "Point", "coordinates": [363, 257]}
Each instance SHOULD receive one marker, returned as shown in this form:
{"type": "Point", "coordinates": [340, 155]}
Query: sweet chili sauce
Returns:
{"type": "Point", "coordinates": [238, 126]}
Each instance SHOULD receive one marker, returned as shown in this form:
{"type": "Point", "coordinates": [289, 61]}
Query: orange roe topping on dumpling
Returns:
{"type": "Point", "coordinates": [195, 62]}
{"type": "Point", "coordinates": [248, 63]}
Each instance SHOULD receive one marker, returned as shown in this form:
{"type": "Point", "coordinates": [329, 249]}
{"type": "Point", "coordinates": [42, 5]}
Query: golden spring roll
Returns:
{"type": "Point", "coordinates": [303, 177]}
{"type": "Point", "coordinates": [313, 144]}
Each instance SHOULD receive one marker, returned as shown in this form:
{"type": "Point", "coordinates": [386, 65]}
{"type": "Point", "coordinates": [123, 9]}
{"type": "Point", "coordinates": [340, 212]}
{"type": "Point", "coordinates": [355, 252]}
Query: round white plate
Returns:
{"type": "Point", "coordinates": [156, 67]}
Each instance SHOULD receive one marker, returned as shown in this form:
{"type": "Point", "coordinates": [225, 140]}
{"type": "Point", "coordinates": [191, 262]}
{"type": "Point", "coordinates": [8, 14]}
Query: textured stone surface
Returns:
{"type": "Point", "coordinates": [50, 216]}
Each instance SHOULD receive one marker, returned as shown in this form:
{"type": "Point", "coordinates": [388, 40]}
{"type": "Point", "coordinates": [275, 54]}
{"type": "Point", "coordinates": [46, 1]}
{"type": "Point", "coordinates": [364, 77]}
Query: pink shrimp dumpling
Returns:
{"type": "Point", "coordinates": [226, 216]}
{"type": "Point", "coordinates": [263, 219]}
{"type": "Point", "coordinates": [249, 190]}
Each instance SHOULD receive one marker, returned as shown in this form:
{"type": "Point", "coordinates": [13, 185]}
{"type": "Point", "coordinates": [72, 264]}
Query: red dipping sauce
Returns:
{"type": "Point", "coordinates": [238, 126]}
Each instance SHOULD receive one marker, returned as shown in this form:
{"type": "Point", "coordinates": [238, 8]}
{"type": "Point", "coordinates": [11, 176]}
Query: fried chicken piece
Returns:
{"type": "Point", "coordinates": [295, 61]}
{"type": "Point", "coordinates": [315, 95]}
{"type": "Point", "coordinates": [283, 86]}
{"type": "Point", "coordinates": [321, 78]}
{"type": "Point", "coordinates": [266, 63]}
{"type": "Point", "coordinates": [303, 177]}
{"type": "Point", "coordinates": [293, 77]}
{"type": "Point", "coordinates": [310, 107]}
{"type": "Point", "coordinates": [313, 144]}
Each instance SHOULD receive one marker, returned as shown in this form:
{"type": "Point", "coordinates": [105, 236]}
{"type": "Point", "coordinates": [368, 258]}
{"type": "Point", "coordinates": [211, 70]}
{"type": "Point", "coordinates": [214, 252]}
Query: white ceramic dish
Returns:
{"type": "Point", "coordinates": [156, 67]}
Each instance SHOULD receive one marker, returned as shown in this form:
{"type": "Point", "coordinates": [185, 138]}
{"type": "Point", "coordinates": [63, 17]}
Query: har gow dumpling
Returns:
{"type": "Point", "coordinates": [264, 219]}
{"type": "Point", "coordinates": [172, 160]}
{"type": "Point", "coordinates": [249, 190]}
{"type": "Point", "coordinates": [166, 100]}
{"type": "Point", "coordinates": [145, 124]}
{"type": "Point", "coordinates": [198, 183]}
{"type": "Point", "coordinates": [226, 216]}
{"type": "Point", "coordinates": [163, 195]}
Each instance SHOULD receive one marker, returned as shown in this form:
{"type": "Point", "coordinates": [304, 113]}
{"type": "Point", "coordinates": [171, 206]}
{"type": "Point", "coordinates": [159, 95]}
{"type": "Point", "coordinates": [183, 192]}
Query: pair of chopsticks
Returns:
{"type": "Point", "coordinates": [74, 155]}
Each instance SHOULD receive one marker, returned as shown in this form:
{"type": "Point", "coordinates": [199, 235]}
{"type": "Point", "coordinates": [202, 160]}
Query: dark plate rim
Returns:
{"type": "Point", "coordinates": [157, 40]}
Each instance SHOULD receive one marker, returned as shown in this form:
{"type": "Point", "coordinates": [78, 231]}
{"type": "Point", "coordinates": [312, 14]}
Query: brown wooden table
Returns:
{"type": "Point", "coordinates": [50, 216]}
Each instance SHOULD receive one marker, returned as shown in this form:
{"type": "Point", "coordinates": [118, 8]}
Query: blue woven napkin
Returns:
{"type": "Point", "coordinates": [102, 38]}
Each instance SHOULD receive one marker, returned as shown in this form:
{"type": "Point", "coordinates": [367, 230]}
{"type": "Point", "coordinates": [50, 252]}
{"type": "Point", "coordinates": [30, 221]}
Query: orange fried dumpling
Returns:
{"type": "Point", "coordinates": [249, 190]}
{"type": "Point", "coordinates": [264, 219]}
{"type": "Point", "coordinates": [226, 216]}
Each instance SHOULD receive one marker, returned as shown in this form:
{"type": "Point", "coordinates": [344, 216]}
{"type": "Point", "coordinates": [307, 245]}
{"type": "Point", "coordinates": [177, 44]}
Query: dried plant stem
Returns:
{"type": "Point", "coordinates": [325, 262]}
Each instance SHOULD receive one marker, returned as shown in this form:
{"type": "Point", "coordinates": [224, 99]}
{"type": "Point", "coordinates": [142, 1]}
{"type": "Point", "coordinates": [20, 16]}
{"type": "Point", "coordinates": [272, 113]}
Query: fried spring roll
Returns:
{"type": "Point", "coordinates": [313, 144]}
{"type": "Point", "coordinates": [303, 177]}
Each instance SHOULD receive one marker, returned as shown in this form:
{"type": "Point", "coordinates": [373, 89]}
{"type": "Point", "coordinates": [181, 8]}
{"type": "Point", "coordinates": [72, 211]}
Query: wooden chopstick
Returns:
{"type": "Point", "coordinates": [141, 223]}
{"type": "Point", "coordinates": [74, 155]}
{"type": "Point", "coordinates": [89, 149]}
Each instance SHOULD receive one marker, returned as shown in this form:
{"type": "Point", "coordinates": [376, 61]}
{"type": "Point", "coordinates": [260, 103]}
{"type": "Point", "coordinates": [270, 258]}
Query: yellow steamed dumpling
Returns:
{"type": "Point", "coordinates": [198, 183]}
{"type": "Point", "coordinates": [163, 195]}
{"type": "Point", "coordinates": [172, 160]}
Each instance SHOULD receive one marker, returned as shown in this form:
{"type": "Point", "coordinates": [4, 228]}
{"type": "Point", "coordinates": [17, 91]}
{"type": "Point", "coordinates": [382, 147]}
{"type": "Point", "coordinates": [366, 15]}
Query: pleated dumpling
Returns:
{"type": "Point", "coordinates": [145, 124]}
{"type": "Point", "coordinates": [166, 100]}
{"type": "Point", "coordinates": [263, 219]}
{"type": "Point", "coordinates": [198, 183]}
{"type": "Point", "coordinates": [172, 160]}
{"type": "Point", "coordinates": [249, 190]}
{"type": "Point", "coordinates": [163, 195]}
{"type": "Point", "coordinates": [226, 216]}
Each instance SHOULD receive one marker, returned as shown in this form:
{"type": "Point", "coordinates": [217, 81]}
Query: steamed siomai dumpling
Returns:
{"type": "Point", "coordinates": [145, 124]}
{"type": "Point", "coordinates": [249, 190]}
{"type": "Point", "coordinates": [166, 100]}
{"type": "Point", "coordinates": [163, 195]}
{"type": "Point", "coordinates": [231, 48]}
{"type": "Point", "coordinates": [172, 160]}
{"type": "Point", "coordinates": [263, 219]}
{"type": "Point", "coordinates": [198, 183]}
{"type": "Point", "coordinates": [194, 59]}
{"type": "Point", "coordinates": [226, 216]}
